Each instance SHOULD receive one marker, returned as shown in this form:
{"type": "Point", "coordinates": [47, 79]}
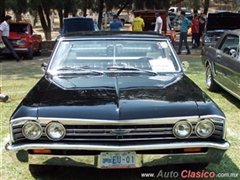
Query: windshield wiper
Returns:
{"type": "Point", "coordinates": [76, 68]}
{"type": "Point", "coordinates": [130, 68]}
{"type": "Point", "coordinates": [73, 68]}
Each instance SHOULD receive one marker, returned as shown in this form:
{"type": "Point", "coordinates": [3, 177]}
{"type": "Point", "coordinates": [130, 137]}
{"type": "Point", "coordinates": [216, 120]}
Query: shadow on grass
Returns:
{"type": "Point", "coordinates": [172, 171]}
{"type": "Point", "coordinates": [12, 70]}
{"type": "Point", "coordinates": [233, 100]}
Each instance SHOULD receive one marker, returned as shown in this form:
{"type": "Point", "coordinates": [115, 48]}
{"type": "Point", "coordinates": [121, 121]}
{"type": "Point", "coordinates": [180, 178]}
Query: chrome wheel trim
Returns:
{"type": "Point", "coordinates": [208, 77]}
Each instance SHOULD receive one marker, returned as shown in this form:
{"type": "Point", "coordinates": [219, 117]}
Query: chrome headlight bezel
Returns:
{"type": "Point", "coordinates": [36, 124]}
{"type": "Point", "coordinates": [21, 42]}
{"type": "Point", "coordinates": [56, 124]}
{"type": "Point", "coordinates": [182, 124]}
{"type": "Point", "coordinates": [207, 39]}
{"type": "Point", "coordinates": [201, 123]}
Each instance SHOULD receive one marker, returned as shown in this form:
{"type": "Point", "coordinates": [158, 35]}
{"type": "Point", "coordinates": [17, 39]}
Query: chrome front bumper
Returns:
{"type": "Point", "coordinates": [213, 155]}
{"type": "Point", "coordinates": [18, 50]}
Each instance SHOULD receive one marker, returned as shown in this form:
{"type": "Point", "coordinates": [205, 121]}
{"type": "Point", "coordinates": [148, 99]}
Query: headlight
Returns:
{"type": "Point", "coordinates": [207, 39]}
{"type": "Point", "coordinates": [182, 129]}
{"type": "Point", "coordinates": [32, 130]}
{"type": "Point", "coordinates": [204, 128]}
{"type": "Point", "coordinates": [55, 131]}
{"type": "Point", "coordinates": [21, 42]}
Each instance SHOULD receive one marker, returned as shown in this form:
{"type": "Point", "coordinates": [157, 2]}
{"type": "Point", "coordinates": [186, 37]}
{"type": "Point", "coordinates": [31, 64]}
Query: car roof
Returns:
{"type": "Point", "coordinates": [114, 34]}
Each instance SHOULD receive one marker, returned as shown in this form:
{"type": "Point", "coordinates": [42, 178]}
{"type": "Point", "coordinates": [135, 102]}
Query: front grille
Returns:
{"type": "Point", "coordinates": [120, 133]}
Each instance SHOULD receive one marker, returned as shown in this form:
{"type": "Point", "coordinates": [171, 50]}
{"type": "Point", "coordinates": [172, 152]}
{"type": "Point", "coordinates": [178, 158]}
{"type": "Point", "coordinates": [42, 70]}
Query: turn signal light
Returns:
{"type": "Point", "coordinates": [192, 150]}
{"type": "Point", "coordinates": [42, 151]}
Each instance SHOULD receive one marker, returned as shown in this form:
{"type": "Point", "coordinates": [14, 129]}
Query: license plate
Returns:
{"type": "Point", "coordinates": [116, 160]}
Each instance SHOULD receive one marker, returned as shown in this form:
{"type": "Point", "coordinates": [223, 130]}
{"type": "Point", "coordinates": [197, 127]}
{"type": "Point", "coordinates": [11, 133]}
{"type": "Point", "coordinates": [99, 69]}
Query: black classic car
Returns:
{"type": "Point", "coordinates": [222, 64]}
{"type": "Point", "coordinates": [116, 100]}
{"type": "Point", "coordinates": [217, 24]}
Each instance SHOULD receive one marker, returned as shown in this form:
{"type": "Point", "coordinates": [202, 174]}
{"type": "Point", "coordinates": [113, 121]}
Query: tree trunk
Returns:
{"type": "Point", "coordinates": [206, 6]}
{"type": "Point", "coordinates": [2, 11]}
{"type": "Point", "coordinates": [45, 25]}
{"type": "Point", "coordinates": [100, 12]}
{"type": "Point", "coordinates": [60, 16]}
{"type": "Point", "coordinates": [66, 10]}
{"type": "Point", "coordinates": [84, 12]}
{"type": "Point", "coordinates": [18, 17]}
{"type": "Point", "coordinates": [123, 7]}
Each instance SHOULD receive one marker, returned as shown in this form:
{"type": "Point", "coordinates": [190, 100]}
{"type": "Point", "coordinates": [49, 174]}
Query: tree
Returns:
{"type": "Point", "coordinates": [18, 7]}
{"type": "Point", "coordinates": [206, 6]}
{"type": "Point", "coordinates": [2, 10]}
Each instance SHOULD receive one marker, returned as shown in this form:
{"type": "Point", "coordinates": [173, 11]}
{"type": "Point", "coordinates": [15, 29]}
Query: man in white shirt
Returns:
{"type": "Point", "coordinates": [158, 23]}
{"type": "Point", "coordinates": [4, 33]}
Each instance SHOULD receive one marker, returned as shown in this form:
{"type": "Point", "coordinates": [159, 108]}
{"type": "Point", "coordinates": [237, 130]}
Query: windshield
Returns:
{"type": "Point", "coordinates": [115, 55]}
{"type": "Point", "coordinates": [19, 28]}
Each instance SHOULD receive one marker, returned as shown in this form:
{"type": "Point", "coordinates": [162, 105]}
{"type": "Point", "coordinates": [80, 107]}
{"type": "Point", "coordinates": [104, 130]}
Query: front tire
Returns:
{"type": "Point", "coordinates": [39, 51]}
{"type": "Point", "coordinates": [210, 83]}
{"type": "Point", "coordinates": [30, 52]}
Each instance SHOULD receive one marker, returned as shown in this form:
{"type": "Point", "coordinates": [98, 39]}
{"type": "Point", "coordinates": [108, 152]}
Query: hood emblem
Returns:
{"type": "Point", "coordinates": [119, 132]}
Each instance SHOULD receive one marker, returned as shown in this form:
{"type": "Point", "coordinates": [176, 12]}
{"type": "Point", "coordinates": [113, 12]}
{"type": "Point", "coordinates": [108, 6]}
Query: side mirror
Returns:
{"type": "Point", "coordinates": [44, 66]}
{"type": "Point", "coordinates": [185, 65]}
{"type": "Point", "coordinates": [233, 53]}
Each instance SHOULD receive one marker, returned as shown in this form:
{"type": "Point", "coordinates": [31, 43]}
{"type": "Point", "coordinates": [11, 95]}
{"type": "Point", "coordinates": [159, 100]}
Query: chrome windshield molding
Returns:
{"type": "Point", "coordinates": [69, 121]}
{"type": "Point", "coordinates": [69, 38]}
{"type": "Point", "coordinates": [222, 146]}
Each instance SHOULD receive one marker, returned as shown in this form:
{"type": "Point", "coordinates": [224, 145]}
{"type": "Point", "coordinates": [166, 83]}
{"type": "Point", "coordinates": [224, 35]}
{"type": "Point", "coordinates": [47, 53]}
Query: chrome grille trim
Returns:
{"type": "Point", "coordinates": [102, 133]}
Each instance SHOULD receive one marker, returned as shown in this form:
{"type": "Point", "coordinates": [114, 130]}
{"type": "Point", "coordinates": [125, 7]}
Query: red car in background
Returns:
{"type": "Point", "coordinates": [24, 40]}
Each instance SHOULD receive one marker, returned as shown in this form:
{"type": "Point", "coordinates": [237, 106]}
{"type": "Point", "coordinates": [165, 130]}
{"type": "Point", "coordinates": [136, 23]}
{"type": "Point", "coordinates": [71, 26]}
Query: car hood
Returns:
{"type": "Point", "coordinates": [223, 20]}
{"type": "Point", "coordinates": [116, 98]}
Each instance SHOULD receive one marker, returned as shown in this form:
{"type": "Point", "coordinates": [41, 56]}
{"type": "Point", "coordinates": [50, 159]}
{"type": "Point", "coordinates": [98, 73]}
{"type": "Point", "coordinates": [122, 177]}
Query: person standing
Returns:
{"type": "Point", "coordinates": [202, 23]}
{"type": "Point", "coordinates": [183, 33]}
{"type": "Point", "coordinates": [158, 23]}
{"type": "Point", "coordinates": [115, 24]}
{"type": "Point", "coordinates": [195, 32]}
{"type": "Point", "coordinates": [4, 33]}
{"type": "Point", "coordinates": [138, 23]}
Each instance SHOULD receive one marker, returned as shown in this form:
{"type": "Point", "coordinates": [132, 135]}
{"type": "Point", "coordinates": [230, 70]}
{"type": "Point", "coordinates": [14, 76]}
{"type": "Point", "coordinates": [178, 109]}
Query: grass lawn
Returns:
{"type": "Point", "coordinates": [18, 78]}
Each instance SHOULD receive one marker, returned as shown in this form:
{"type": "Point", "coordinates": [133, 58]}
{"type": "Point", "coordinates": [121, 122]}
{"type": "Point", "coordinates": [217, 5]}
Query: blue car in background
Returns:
{"type": "Point", "coordinates": [75, 24]}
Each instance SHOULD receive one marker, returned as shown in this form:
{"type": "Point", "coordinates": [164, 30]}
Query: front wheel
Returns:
{"type": "Point", "coordinates": [39, 51]}
{"type": "Point", "coordinates": [30, 52]}
{"type": "Point", "coordinates": [210, 83]}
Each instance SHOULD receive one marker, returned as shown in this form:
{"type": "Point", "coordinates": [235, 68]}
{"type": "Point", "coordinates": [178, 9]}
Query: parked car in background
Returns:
{"type": "Point", "coordinates": [116, 99]}
{"type": "Point", "coordinates": [150, 19]}
{"type": "Point", "coordinates": [217, 24]}
{"type": "Point", "coordinates": [24, 40]}
{"type": "Point", "coordinates": [76, 24]}
{"type": "Point", "coordinates": [177, 10]}
{"type": "Point", "coordinates": [177, 21]}
{"type": "Point", "coordinates": [222, 63]}
{"type": "Point", "coordinates": [171, 16]}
